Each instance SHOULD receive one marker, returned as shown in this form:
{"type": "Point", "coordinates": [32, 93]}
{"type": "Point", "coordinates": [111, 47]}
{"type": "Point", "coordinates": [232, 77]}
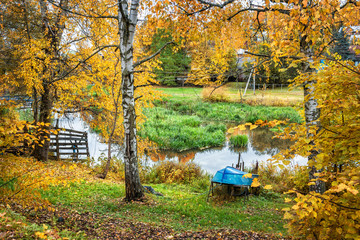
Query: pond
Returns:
{"type": "Point", "coordinates": [261, 147]}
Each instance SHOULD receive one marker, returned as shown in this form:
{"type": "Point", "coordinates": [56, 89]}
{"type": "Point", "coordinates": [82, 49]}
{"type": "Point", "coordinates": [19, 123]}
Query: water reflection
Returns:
{"type": "Point", "coordinates": [261, 147]}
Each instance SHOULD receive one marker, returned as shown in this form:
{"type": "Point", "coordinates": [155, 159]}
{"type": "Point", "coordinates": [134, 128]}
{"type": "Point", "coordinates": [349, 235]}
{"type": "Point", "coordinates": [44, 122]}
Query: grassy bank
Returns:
{"type": "Point", "coordinates": [183, 121]}
{"type": "Point", "coordinates": [229, 112]}
{"type": "Point", "coordinates": [80, 206]}
{"type": "Point", "coordinates": [279, 96]}
{"type": "Point", "coordinates": [180, 209]}
{"type": "Point", "coordinates": [173, 130]}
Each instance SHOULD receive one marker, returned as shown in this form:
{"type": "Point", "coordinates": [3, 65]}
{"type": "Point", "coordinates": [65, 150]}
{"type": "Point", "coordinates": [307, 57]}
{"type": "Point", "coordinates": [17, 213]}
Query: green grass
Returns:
{"type": "Point", "coordinates": [183, 121]}
{"type": "Point", "coordinates": [172, 130]}
{"type": "Point", "coordinates": [26, 115]}
{"type": "Point", "coordinates": [239, 140]}
{"type": "Point", "coordinates": [180, 208]}
{"type": "Point", "coordinates": [230, 112]}
{"type": "Point", "coordinates": [182, 93]}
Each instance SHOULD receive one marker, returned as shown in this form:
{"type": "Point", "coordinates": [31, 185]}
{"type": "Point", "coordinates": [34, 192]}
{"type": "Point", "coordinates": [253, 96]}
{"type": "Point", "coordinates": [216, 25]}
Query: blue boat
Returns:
{"type": "Point", "coordinates": [233, 176]}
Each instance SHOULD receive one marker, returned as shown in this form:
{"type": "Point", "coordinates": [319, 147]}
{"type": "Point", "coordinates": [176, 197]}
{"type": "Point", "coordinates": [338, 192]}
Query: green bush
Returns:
{"type": "Point", "coordinates": [239, 140]}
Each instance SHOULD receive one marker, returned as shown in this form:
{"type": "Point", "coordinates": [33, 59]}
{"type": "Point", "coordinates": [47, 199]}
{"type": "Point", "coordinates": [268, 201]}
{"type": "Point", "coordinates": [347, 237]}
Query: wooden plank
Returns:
{"type": "Point", "coordinates": [68, 143]}
{"type": "Point", "coordinates": [87, 146]}
{"type": "Point", "coordinates": [65, 151]}
{"type": "Point", "coordinates": [73, 153]}
{"type": "Point", "coordinates": [68, 139]}
{"type": "Point", "coordinates": [71, 135]}
{"type": "Point", "coordinates": [71, 148]}
{"type": "Point", "coordinates": [68, 130]}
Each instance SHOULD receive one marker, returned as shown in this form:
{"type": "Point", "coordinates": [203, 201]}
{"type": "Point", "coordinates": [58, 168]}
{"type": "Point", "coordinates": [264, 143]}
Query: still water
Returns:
{"type": "Point", "coordinates": [261, 147]}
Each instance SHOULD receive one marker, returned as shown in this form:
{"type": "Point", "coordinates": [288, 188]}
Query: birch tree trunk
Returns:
{"type": "Point", "coordinates": [127, 26]}
{"type": "Point", "coordinates": [312, 118]}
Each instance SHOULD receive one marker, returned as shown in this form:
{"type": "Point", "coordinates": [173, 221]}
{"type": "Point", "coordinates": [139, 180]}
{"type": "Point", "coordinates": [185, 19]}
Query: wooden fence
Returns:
{"type": "Point", "coordinates": [69, 143]}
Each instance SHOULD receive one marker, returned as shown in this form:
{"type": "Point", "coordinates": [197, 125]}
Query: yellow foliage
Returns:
{"type": "Point", "coordinates": [21, 179]}
{"type": "Point", "coordinates": [336, 213]}
{"type": "Point", "coordinates": [248, 175]}
{"type": "Point", "coordinates": [255, 183]}
{"type": "Point", "coordinates": [268, 187]}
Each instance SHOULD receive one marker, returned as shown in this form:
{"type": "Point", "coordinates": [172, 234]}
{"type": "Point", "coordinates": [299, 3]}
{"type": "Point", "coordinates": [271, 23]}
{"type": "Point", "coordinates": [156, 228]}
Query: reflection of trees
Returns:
{"type": "Point", "coordinates": [182, 157]}
{"type": "Point", "coordinates": [262, 142]}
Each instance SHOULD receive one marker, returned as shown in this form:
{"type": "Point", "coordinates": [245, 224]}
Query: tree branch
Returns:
{"type": "Point", "coordinates": [343, 65]}
{"type": "Point", "coordinates": [83, 61]}
{"type": "Point", "coordinates": [152, 56]}
{"type": "Point", "coordinates": [146, 85]}
{"type": "Point", "coordinates": [80, 14]}
{"type": "Point", "coordinates": [264, 9]}
{"type": "Point", "coordinates": [254, 67]}
{"type": "Point", "coordinates": [192, 13]}
{"type": "Point", "coordinates": [269, 56]}
{"type": "Point", "coordinates": [219, 5]}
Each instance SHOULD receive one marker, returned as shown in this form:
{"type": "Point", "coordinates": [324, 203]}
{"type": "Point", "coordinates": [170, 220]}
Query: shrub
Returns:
{"type": "Point", "coordinates": [172, 172]}
{"type": "Point", "coordinates": [239, 140]}
{"type": "Point", "coordinates": [219, 95]}
{"type": "Point", "coordinates": [284, 179]}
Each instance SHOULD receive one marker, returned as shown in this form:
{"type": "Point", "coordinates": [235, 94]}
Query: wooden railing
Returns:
{"type": "Point", "coordinates": [69, 143]}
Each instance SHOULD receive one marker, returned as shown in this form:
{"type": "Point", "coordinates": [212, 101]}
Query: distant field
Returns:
{"type": "Point", "coordinates": [234, 91]}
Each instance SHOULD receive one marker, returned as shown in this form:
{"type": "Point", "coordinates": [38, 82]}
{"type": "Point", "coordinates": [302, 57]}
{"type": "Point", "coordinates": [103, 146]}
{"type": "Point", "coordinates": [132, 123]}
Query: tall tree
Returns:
{"type": "Point", "coordinates": [120, 19]}
{"type": "Point", "coordinates": [341, 44]}
{"type": "Point", "coordinates": [35, 42]}
{"type": "Point", "coordinates": [301, 32]}
{"type": "Point", "coordinates": [175, 64]}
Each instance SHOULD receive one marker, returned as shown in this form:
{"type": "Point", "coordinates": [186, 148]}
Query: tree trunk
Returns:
{"type": "Point", "coordinates": [312, 118]}
{"type": "Point", "coordinates": [52, 31]}
{"type": "Point", "coordinates": [127, 26]}
{"type": "Point", "coordinates": [42, 149]}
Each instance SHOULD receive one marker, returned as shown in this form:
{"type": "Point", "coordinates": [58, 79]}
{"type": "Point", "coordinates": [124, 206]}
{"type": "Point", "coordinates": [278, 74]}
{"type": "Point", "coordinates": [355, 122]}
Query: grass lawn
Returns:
{"type": "Point", "coordinates": [270, 97]}
{"type": "Point", "coordinates": [180, 209]}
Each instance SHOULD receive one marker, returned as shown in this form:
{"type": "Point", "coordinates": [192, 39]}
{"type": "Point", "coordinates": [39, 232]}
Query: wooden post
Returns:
{"type": "Point", "coordinates": [57, 140]}
{"type": "Point", "coordinates": [87, 145]}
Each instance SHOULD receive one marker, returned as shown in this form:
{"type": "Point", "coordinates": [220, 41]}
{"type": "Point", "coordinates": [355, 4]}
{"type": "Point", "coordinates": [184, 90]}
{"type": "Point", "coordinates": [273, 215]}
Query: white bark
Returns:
{"type": "Point", "coordinates": [127, 25]}
{"type": "Point", "coordinates": [312, 118]}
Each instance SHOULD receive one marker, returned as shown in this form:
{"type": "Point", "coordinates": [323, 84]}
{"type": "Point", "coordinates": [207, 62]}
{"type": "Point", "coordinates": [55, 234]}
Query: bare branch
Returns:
{"type": "Point", "coordinates": [269, 56]}
{"type": "Point", "coordinates": [192, 13]}
{"type": "Point", "coordinates": [343, 65]}
{"type": "Point", "coordinates": [219, 5]}
{"type": "Point", "coordinates": [80, 14]}
{"type": "Point", "coordinates": [146, 85]}
{"type": "Point", "coordinates": [348, 2]}
{"type": "Point", "coordinates": [264, 9]}
{"type": "Point", "coordinates": [137, 98]}
{"type": "Point", "coordinates": [152, 56]}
